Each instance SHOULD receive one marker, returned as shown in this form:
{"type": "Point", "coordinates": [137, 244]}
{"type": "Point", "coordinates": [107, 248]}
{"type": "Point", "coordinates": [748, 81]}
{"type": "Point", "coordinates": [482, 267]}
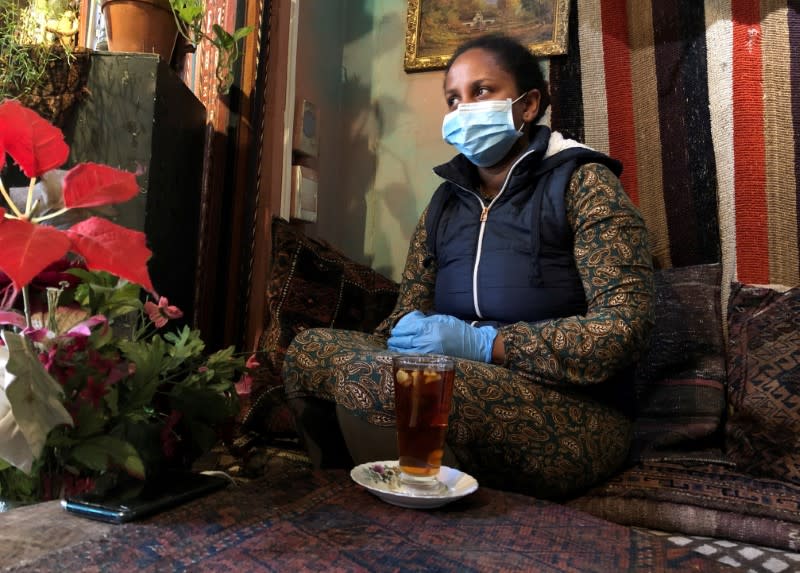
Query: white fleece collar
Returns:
{"type": "Point", "coordinates": [559, 143]}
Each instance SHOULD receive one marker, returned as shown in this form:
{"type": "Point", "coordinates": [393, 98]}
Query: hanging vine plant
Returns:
{"type": "Point", "coordinates": [189, 17]}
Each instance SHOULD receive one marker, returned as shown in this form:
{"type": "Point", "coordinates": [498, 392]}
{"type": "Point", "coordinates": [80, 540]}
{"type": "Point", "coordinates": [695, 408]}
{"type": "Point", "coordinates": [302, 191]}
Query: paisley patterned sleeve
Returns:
{"type": "Point", "coordinates": [615, 266]}
{"type": "Point", "coordinates": [416, 285]}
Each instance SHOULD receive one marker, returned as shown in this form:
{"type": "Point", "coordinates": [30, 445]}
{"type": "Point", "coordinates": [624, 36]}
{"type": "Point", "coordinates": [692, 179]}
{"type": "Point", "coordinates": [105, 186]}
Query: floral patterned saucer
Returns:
{"type": "Point", "coordinates": [383, 480]}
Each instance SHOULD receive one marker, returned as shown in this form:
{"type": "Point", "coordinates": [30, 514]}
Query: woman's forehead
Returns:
{"type": "Point", "coordinates": [473, 64]}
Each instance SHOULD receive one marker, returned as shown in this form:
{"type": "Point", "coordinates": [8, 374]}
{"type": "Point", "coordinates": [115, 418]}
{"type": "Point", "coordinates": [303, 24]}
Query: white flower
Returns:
{"type": "Point", "coordinates": [30, 403]}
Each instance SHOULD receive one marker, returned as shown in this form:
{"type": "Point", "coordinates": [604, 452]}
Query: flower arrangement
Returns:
{"type": "Point", "coordinates": [91, 387]}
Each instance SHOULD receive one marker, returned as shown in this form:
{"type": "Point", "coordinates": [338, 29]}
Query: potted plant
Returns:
{"type": "Point", "coordinates": [146, 26]}
{"type": "Point", "coordinates": [154, 25]}
{"type": "Point", "coordinates": [92, 386]}
{"type": "Point", "coordinates": [189, 19]}
{"type": "Point", "coordinates": [44, 73]}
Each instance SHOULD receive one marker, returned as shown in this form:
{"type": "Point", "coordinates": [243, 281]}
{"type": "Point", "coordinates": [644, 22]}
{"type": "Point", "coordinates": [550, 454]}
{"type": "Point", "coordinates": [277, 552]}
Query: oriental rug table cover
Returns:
{"type": "Point", "coordinates": [323, 521]}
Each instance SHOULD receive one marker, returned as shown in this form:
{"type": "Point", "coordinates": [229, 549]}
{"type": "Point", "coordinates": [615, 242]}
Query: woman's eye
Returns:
{"type": "Point", "coordinates": [452, 102]}
{"type": "Point", "coordinates": [483, 91]}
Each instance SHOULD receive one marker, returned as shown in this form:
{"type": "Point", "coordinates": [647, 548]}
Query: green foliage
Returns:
{"type": "Point", "coordinates": [140, 400]}
{"type": "Point", "coordinates": [537, 8]}
{"type": "Point", "coordinates": [190, 14]}
{"type": "Point", "coordinates": [18, 486]}
{"type": "Point", "coordinates": [103, 293]}
{"type": "Point", "coordinates": [23, 64]}
{"type": "Point", "coordinates": [189, 17]}
{"type": "Point", "coordinates": [99, 452]}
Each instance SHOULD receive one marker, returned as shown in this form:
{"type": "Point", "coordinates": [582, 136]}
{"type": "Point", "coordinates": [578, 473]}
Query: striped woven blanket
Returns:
{"type": "Point", "coordinates": [701, 101]}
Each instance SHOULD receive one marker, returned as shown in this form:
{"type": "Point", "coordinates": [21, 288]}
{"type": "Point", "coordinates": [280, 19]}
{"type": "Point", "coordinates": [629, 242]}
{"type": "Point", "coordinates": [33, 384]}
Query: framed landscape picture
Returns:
{"type": "Point", "coordinates": [435, 28]}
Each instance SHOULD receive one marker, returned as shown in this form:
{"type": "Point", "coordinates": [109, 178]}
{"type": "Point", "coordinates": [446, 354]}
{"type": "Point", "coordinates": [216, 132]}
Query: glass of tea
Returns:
{"type": "Point", "coordinates": [423, 391]}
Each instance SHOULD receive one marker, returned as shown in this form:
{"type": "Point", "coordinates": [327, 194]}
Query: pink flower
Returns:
{"type": "Point", "coordinates": [245, 385]}
{"type": "Point", "coordinates": [94, 391]}
{"type": "Point", "coordinates": [160, 314]}
{"type": "Point", "coordinates": [252, 363]}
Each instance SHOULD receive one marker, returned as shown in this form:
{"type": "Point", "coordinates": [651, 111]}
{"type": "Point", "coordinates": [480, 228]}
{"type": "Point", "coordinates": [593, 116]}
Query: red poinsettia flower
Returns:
{"type": "Point", "coordinates": [93, 184]}
{"type": "Point", "coordinates": [106, 246]}
{"type": "Point", "coordinates": [28, 246]}
{"type": "Point", "coordinates": [36, 145]}
{"type": "Point", "coordinates": [53, 276]}
{"type": "Point", "coordinates": [28, 249]}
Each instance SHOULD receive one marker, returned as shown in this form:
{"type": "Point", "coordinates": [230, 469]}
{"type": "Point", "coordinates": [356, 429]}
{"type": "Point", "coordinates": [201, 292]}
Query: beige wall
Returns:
{"type": "Point", "coordinates": [380, 127]}
{"type": "Point", "coordinates": [406, 111]}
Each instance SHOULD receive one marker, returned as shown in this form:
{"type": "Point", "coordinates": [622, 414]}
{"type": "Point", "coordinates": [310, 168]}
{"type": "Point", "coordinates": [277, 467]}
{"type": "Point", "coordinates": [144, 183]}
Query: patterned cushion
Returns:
{"type": "Point", "coordinates": [763, 429]}
{"type": "Point", "coordinates": [709, 499]}
{"type": "Point", "coordinates": [680, 380]}
{"type": "Point", "coordinates": [311, 284]}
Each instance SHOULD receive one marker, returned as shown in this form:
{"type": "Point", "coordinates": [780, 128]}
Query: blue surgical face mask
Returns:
{"type": "Point", "coordinates": [483, 131]}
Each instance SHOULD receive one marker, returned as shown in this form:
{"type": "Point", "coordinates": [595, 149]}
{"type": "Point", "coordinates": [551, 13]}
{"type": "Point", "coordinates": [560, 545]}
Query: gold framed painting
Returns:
{"type": "Point", "coordinates": [435, 28]}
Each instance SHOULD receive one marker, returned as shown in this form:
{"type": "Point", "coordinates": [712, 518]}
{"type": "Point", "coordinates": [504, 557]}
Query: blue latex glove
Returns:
{"type": "Point", "coordinates": [442, 334]}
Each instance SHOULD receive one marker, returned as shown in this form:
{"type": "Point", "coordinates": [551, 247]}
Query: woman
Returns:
{"type": "Point", "coordinates": [530, 265]}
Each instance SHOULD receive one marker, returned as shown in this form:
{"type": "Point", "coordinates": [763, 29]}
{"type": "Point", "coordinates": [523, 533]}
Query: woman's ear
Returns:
{"type": "Point", "coordinates": [531, 101]}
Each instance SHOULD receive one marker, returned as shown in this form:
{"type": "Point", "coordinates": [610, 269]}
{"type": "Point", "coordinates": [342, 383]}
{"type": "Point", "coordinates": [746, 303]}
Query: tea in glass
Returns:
{"type": "Point", "coordinates": [423, 391]}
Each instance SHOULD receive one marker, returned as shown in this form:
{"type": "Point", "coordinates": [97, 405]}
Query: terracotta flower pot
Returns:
{"type": "Point", "coordinates": [140, 26]}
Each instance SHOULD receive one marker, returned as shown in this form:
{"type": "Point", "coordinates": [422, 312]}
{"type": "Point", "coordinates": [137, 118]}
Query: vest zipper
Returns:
{"type": "Point", "coordinates": [483, 218]}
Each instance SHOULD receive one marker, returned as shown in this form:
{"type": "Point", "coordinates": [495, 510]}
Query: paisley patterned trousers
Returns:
{"type": "Point", "coordinates": [505, 430]}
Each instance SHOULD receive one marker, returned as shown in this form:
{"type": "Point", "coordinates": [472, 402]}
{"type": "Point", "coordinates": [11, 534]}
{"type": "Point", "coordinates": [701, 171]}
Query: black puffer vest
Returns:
{"type": "Point", "coordinates": [509, 260]}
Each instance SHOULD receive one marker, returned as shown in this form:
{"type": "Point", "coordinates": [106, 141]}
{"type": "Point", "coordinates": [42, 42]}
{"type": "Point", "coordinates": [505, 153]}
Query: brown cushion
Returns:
{"type": "Point", "coordinates": [708, 499]}
{"type": "Point", "coordinates": [311, 284]}
{"type": "Point", "coordinates": [680, 380]}
{"type": "Point", "coordinates": [763, 429]}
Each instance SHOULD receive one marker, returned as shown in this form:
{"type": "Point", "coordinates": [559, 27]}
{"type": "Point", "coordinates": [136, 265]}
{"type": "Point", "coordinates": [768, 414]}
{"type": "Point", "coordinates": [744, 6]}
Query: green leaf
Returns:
{"type": "Point", "coordinates": [103, 293]}
{"type": "Point", "coordinates": [30, 402]}
{"type": "Point", "coordinates": [203, 404]}
{"type": "Point", "coordinates": [59, 440]}
{"type": "Point", "coordinates": [189, 11]}
{"type": "Point", "coordinates": [224, 39]}
{"type": "Point", "coordinates": [89, 421]}
{"type": "Point", "coordinates": [19, 486]}
{"type": "Point", "coordinates": [242, 32]}
{"type": "Point", "coordinates": [111, 400]}
{"type": "Point", "coordinates": [225, 364]}
{"type": "Point", "coordinates": [101, 452]}
{"type": "Point", "coordinates": [145, 437]}
{"type": "Point", "coordinates": [202, 436]}
{"type": "Point", "coordinates": [150, 359]}
{"type": "Point", "coordinates": [186, 344]}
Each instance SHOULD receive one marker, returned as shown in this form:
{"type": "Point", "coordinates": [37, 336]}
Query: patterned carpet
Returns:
{"type": "Point", "coordinates": [282, 516]}
{"type": "Point", "coordinates": [746, 558]}
{"type": "Point", "coordinates": [295, 520]}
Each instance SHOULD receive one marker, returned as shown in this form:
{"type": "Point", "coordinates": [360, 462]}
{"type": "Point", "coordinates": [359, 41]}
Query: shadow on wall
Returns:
{"type": "Point", "coordinates": [366, 120]}
{"type": "Point", "coordinates": [395, 197]}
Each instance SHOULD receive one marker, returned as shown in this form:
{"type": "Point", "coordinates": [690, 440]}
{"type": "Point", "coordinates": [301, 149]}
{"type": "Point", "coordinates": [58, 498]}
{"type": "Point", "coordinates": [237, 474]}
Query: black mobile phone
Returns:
{"type": "Point", "coordinates": [136, 499]}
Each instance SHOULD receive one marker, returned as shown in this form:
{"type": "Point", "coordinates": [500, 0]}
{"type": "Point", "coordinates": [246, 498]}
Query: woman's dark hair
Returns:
{"type": "Point", "coordinates": [515, 59]}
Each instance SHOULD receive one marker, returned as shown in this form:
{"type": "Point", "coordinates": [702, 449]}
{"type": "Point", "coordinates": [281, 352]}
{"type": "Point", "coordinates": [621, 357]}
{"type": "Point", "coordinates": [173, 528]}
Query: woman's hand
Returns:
{"type": "Point", "coordinates": [442, 334]}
